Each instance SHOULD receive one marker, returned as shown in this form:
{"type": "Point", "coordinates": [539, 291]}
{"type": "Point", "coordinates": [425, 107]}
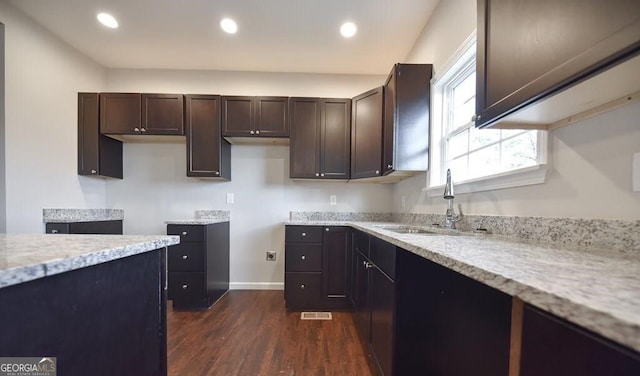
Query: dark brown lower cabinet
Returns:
{"type": "Point", "coordinates": [107, 319]}
{"type": "Point", "coordinates": [94, 227]}
{"type": "Point", "coordinates": [198, 266]}
{"type": "Point", "coordinates": [316, 273]}
{"type": "Point", "coordinates": [552, 346]}
{"type": "Point", "coordinates": [448, 324]}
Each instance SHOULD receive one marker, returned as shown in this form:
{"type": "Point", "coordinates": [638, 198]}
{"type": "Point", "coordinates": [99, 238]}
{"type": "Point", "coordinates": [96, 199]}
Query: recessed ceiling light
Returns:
{"type": "Point", "coordinates": [107, 20]}
{"type": "Point", "coordinates": [348, 29]}
{"type": "Point", "coordinates": [229, 25]}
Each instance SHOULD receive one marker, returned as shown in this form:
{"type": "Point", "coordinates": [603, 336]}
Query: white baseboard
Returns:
{"type": "Point", "coordinates": [256, 285]}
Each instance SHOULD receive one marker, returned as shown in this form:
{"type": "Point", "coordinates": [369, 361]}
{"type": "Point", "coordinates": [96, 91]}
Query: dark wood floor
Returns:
{"type": "Point", "coordinates": [250, 333]}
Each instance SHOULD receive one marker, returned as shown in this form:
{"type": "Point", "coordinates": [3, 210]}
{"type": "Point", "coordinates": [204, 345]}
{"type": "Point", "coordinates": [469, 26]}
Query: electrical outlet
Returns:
{"type": "Point", "coordinates": [332, 200]}
{"type": "Point", "coordinates": [230, 198]}
{"type": "Point", "coordinates": [272, 255]}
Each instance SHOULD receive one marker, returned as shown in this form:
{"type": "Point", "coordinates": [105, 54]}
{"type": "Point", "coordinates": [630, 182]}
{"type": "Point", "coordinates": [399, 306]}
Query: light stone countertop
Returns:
{"type": "Point", "coordinates": [599, 290]}
{"type": "Point", "coordinates": [26, 257]}
{"type": "Point", "coordinates": [81, 215]}
{"type": "Point", "coordinates": [197, 221]}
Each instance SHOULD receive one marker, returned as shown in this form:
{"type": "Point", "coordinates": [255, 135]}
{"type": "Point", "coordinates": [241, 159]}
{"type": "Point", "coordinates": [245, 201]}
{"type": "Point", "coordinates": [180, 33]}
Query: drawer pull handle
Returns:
{"type": "Point", "coordinates": [302, 287]}
{"type": "Point", "coordinates": [184, 257]}
{"type": "Point", "coordinates": [185, 286]}
{"type": "Point", "coordinates": [304, 234]}
{"type": "Point", "coordinates": [303, 257]}
{"type": "Point", "coordinates": [54, 231]}
{"type": "Point", "coordinates": [184, 233]}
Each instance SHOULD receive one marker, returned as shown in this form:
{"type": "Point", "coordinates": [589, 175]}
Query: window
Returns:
{"type": "Point", "coordinates": [473, 154]}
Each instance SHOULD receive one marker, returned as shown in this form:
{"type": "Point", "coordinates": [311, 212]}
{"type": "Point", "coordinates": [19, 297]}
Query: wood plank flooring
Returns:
{"type": "Point", "coordinates": [250, 333]}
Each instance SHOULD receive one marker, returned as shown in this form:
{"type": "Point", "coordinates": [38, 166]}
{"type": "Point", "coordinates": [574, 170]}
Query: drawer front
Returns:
{"type": "Point", "coordinates": [186, 286]}
{"type": "Point", "coordinates": [303, 234]}
{"type": "Point", "coordinates": [57, 228]}
{"type": "Point", "coordinates": [186, 257]}
{"type": "Point", "coordinates": [302, 257]}
{"type": "Point", "coordinates": [303, 290]}
{"type": "Point", "coordinates": [383, 254]}
{"type": "Point", "coordinates": [188, 233]}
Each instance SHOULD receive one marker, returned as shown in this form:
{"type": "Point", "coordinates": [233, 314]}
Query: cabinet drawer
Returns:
{"type": "Point", "coordinates": [383, 254]}
{"type": "Point", "coordinates": [302, 290]}
{"type": "Point", "coordinates": [303, 257]}
{"type": "Point", "coordinates": [186, 286]}
{"type": "Point", "coordinates": [186, 257]}
{"type": "Point", "coordinates": [57, 228]}
{"type": "Point", "coordinates": [303, 234]}
{"type": "Point", "coordinates": [188, 233]}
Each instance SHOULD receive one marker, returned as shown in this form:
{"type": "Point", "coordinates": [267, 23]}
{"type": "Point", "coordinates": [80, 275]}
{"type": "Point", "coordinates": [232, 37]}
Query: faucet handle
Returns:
{"type": "Point", "coordinates": [458, 217]}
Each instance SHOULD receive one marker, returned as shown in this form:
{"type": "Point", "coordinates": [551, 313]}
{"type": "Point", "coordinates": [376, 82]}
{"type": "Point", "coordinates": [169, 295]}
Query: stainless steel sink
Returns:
{"type": "Point", "coordinates": [408, 230]}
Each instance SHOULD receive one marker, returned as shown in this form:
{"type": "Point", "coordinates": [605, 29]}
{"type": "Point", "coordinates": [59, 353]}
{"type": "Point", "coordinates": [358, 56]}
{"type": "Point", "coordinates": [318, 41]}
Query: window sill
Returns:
{"type": "Point", "coordinates": [517, 178]}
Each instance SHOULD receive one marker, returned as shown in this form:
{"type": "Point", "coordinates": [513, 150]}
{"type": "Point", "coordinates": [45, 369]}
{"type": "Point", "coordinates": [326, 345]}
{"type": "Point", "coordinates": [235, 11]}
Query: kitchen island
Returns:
{"type": "Point", "coordinates": [95, 302]}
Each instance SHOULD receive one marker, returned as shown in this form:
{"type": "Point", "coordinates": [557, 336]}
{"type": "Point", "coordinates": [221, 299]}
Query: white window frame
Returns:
{"type": "Point", "coordinates": [461, 60]}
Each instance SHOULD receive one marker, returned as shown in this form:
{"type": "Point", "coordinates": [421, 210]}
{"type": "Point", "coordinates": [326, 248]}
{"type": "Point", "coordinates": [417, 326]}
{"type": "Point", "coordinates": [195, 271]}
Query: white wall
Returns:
{"type": "Point", "coordinates": [155, 188]}
{"type": "Point", "coordinates": [42, 78]}
{"type": "Point", "coordinates": [590, 160]}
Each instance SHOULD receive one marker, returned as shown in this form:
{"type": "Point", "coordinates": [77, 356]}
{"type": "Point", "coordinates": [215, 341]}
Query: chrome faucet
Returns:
{"type": "Point", "coordinates": [451, 217]}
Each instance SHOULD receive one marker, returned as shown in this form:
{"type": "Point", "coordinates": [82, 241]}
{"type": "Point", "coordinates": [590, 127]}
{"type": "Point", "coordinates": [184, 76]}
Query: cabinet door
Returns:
{"type": "Point", "coordinates": [208, 154]}
{"type": "Point", "coordinates": [238, 116]}
{"type": "Point", "coordinates": [162, 114]}
{"type": "Point", "coordinates": [448, 324]}
{"type": "Point", "coordinates": [272, 118]}
{"type": "Point", "coordinates": [554, 347]}
{"type": "Point", "coordinates": [382, 293]}
{"type": "Point", "coordinates": [366, 134]}
{"type": "Point", "coordinates": [120, 113]}
{"type": "Point", "coordinates": [305, 138]}
{"type": "Point", "coordinates": [98, 155]}
{"type": "Point", "coordinates": [335, 138]}
{"type": "Point", "coordinates": [334, 266]}
{"type": "Point", "coordinates": [362, 311]}
{"type": "Point", "coordinates": [529, 50]}
{"type": "Point", "coordinates": [406, 118]}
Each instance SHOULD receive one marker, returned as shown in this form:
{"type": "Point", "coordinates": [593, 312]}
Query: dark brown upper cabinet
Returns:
{"type": "Point", "coordinates": [244, 116]}
{"type": "Point", "coordinates": [366, 134]}
{"type": "Point", "coordinates": [141, 114]}
{"type": "Point", "coordinates": [98, 155]}
{"type": "Point", "coordinates": [320, 138]}
{"type": "Point", "coordinates": [531, 51]}
{"type": "Point", "coordinates": [405, 142]}
{"type": "Point", "coordinates": [208, 154]}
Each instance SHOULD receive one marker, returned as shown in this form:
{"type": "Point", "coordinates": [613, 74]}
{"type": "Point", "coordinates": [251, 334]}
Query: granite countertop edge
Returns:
{"type": "Point", "coordinates": [197, 221]}
{"type": "Point", "coordinates": [612, 311]}
{"type": "Point", "coordinates": [25, 258]}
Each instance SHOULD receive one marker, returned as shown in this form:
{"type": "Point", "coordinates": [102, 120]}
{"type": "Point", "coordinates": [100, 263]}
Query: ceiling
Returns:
{"type": "Point", "coordinates": [273, 35]}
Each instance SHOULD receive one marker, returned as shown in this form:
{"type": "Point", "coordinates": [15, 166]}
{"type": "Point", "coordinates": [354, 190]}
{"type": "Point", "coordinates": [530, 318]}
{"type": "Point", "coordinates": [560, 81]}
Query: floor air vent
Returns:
{"type": "Point", "coordinates": [315, 316]}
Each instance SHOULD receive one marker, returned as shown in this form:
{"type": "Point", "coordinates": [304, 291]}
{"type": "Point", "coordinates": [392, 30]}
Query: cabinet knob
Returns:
{"type": "Point", "coordinates": [252, 132]}
{"type": "Point", "coordinates": [364, 263]}
{"type": "Point", "coordinates": [322, 174]}
{"type": "Point", "coordinates": [184, 257]}
{"type": "Point", "coordinates": [304, 234]}
{"type": "Point", "coordinates": [257, 132]}
{"type": "Point", "coordinates": [475, 117]}
{"type": "Point", "coordinates": [142, 130]}
{"type": "Point", "coordinates": [94, 171]}
{"type": "Point", "coordinates": [217, 172]}
{"type": "Point", "coordinates": [389, 166]}
{"type": "Point", "coordinates": [54, 231]}
{"type": "Point", "coordinates": [185, 286]}
{"type": "Point", "coordinates": [317, 174]}
{"type": "Point", "coordinates": [326, 229]}
{"type": "Point", "coordinates": [136, 129]}
{"type": "Point", "coordinates": [377, 172]}
{"type": "Point", "coordinates": [368, 265]}
{"type": "Point", "coordinates": [303, 257]}
{"type": "Point", "coordinates": [184, 233]}
{"type": "Point", "coordinates": [302, 287]}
